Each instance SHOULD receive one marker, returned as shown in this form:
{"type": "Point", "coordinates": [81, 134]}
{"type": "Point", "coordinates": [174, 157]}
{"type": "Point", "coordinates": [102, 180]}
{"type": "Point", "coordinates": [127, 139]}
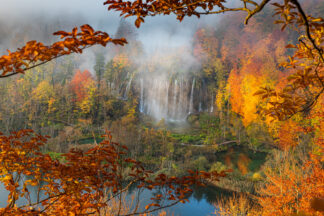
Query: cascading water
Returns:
{"type": "Point", "coordinates": [128, 87]}
{"type": "Point", "coordinates": [175, 99]}
{"type": "Point", "coordinates": [212, 104]}
{"type": "Point", "coordinates": [172, 97]}
{"type": "Point", "coordinates": [142, 96]}
{"type": "Point", "coordinates": [181, 102]}
{"type": "Point", "coordinates": [166, 97]}
{"type": "Point", "coordinates": [191, 96]}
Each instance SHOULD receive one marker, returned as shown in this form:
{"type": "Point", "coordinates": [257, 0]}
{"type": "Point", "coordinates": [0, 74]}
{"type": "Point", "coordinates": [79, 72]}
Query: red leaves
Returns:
{"type": "Point", "coordinates": [37, 53]}
{"type": "Point", "coordinates": [76, 185]}
{"type": "Point", "coordinates": [141, 9]}
{"type": "Point", "coordinates": [290, 46]}
{"type": "Point", "coordinates": [63, 34]}
{"type": "Point", "coordinates": [138, 22]}
{"type": "Point", "coordinates": [292, 189]}
{"type": "Point", "coordinates": [288, 134]}
{"type": "Point", "coordinates": [121, 41]}
{"type": "Point", "coordinates": [152, 205]}
{"type": "Point", "coordinates": [87, 29]}
{"type": "Point", "coordinates": [79, 84]}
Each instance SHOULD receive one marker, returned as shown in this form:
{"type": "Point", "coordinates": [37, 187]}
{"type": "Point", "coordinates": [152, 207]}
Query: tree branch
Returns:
{"type": "Point", "coordinates": [153, 210]}
{"type": "Point", "coordinates": [307, 28]}
{"type": "Point", "coordinates": [256, 10]}
{"type": "Point", "coordinates": [39, 64]}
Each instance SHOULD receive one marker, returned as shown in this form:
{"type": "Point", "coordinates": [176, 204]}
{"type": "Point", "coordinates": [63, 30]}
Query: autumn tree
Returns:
{"type": "Point", "coordinates": [304, 88]}
{"type": "Point", "coordinates": [75, 192]}
{"type": "Point", "coordinates": [35, 53]}
{"type": "Point", "coordinates": [306, 84]}
{"type": "Point", "coordinates": [83, 86]}
{"type": "Point", "coordinates": [78, 185]}
{"type": "Point", "coordinates": [99, 69]}
{"type": "Point", "coordinates": [292, 190]}
{"type": "Point", "coordinates": [296, 181]}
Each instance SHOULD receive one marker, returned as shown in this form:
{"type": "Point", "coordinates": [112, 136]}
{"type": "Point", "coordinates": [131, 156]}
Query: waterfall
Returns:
{"type": "Point", "coordinates": [191, 96]}
{"type": "Point", "coordinates": [180, 99]}
{"type": "Point", "coordinates": [175, 99]}
{"type": "Point", "coordinates": [212, 104]}
{"type": "Point", "coordinates": [142, 96]}
{"type": "Point", "coordinates": [166, 111]}
{"type": "Point", "coordinates": [170, 96]}
{"type": "Point", "coordinates": [128, 87]}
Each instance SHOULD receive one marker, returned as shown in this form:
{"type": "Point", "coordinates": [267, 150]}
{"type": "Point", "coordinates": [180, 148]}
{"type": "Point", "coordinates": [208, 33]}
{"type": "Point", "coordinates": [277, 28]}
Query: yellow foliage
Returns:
{"type": "Point", "coordinates": [250, 84]}
{"type": "Point", "coordinates": [88, 102]}
{"type": "Point", "coordinates": [43, 91]}
{"type": "Point", "coordinates": [256, 176]}
{"type": "Point", "coordinates": [121, 61]}
{"type": "Point", "coordinates": [51, 107]}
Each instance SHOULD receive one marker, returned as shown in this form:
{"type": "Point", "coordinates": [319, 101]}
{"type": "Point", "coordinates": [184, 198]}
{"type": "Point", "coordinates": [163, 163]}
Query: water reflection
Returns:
{"type": "Point", "coordinates": [200, 202]}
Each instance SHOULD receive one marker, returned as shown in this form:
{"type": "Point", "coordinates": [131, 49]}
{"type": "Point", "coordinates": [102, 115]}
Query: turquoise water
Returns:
{"type": "Point", "coordinates": [193, 208]}
{"type": "Point", "coordinates": [200, 202]}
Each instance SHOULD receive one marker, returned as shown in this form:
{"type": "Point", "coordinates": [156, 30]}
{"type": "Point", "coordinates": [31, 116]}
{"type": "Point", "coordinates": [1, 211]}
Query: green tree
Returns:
{"type": "Point", "coordinates": [99, 69]}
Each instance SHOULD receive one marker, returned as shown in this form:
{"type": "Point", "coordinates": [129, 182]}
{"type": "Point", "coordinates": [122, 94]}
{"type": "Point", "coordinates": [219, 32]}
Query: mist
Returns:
{"type": "Point", "coordinates": [156, 32]}
{"type": "Point", "coordinates": [165, 42]}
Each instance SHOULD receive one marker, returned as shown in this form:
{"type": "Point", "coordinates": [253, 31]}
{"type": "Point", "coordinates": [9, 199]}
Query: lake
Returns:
{"type": "Point", "coordinates": [200, 202]}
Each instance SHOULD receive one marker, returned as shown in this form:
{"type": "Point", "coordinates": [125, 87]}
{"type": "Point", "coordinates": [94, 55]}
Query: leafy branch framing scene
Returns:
{"type": "Point", "coordinates": [222, 115]}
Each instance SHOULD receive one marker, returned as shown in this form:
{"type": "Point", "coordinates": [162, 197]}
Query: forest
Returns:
{"type": "Point", "coordinates": [232, 120]}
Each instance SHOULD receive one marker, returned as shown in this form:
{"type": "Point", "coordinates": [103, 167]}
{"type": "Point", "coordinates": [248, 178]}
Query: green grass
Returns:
{"type": "Point", "coordinates": [89, 140]}
{"type": "Point", "coordinates": [257, 159]}
{"type": "Point", "coordinates": [55, 155]}
{"type": "Point", "coordinates": [189, 139]}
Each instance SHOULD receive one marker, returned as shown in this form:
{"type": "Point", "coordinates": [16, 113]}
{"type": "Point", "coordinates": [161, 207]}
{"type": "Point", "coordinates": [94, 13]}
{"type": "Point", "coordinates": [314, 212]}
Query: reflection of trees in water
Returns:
{"type": "Point", "coordinates": [210, 193]}
{"type": "Point", "coordinates": [198, 194]}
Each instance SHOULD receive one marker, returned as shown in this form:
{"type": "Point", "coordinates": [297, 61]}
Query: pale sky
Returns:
{"type": "Point", "coordinates": [50, 6]}
{"type": "Point", "coordinates": [93, 10]}
{"type": "Point", "coordinates": [160, 31]}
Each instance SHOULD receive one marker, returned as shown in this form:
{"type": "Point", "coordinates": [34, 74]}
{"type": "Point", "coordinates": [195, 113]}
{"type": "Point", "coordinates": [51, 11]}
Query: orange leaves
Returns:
{"type": "Point", "coordinates": [87, 29]}
{"type": "Point", "coordinates": [138, 22]}
{"type": "Point", "coordinates": [76, 185]}
{"type": "Point", "coordinates": [243, 85]}
{"type": "Point", "coordinates": [265, 92]}
{"type": "Point", "coordinates": [35, 53]}
{"type": "Point", "coordinates": [179, 188]}
{"type": "Point", "coordinates": [243, 163]}
{"type": "Point", "coordinates": [300, 95]}
{"type": "Point", "coordinates": [303, 78]}
{"type": "Point", "coordinates": [307, 83]}
{"type": "Point", "coordinates": [288, 134]}
{"type": "Point", "coordinates": [79, 83]}
{"type": "Point", "coordinates": [290, 46]}
{"type": "Point", "coordinates": [285, 10]}
{"type": "Point", "coordinates": [142, 9]}
{"type": "Point", "coordinates": [292, 190]}
{"type": "Point", "coordinates": [295, 182]}
{"type": "Point", "coordinates": [152, 205]}
{"type": "Point", "coordinates": [63, 34]}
